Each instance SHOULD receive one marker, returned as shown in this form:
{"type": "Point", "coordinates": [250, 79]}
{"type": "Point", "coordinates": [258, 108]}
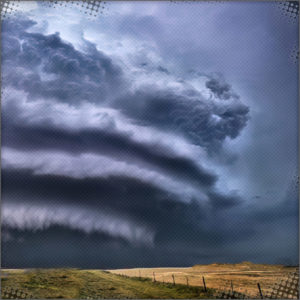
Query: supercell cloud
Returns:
{"type": "Point", "coordinates": [120, 151]}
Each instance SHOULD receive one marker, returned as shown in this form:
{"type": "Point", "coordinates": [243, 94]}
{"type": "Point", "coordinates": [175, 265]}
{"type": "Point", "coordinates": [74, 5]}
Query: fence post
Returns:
{"type": "Point", "coordinates": [261, 294]}
{"type": "Point", "coordinates": [173, 279]}
{"type": "Point", "coordinates": [231, 285]}
{"type": "Point", "coordinates": [154, 277]}
{"type": "Point", "coordinates": [204, 284]}
{"type": "Point", "coordinates": [187, 280]}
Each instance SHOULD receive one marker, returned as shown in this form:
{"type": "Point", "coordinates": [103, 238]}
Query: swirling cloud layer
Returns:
{"type": "Point", "coordinates": [115, 146]}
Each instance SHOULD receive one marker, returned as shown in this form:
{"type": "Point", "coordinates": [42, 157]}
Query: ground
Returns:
{"type": "Point", "coordinates": [73, 283]}
{"type": "Point", "coordinates": [76, 284]}
{"type": "Point", "coordinates": [244, 276]}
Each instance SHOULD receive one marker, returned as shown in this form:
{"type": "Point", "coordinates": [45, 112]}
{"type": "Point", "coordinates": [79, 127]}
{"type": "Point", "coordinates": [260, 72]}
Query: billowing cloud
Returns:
{"type": "Point", "coordinates": [45, 66]}
{"type": "Point", "coordinates": [109, 141]}
{"type": "Point", "coordinates": [90, 165]}
{"type": "Point", "coordinates": [220, 88]}
{"type": "Point", "coordinates": [105, 158]}
{"type": "Point", "coordinates": [204, 122]}
{"type": "Point", "coordinates": [58, 71]}
{"type": "Point", "coordinates": [177, 108]}
{"type": "Point", "coordinates": [30, 217]}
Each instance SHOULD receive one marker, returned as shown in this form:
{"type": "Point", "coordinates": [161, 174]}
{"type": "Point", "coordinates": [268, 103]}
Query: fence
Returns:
{"type": "Point", "coordinates": [284, 289]}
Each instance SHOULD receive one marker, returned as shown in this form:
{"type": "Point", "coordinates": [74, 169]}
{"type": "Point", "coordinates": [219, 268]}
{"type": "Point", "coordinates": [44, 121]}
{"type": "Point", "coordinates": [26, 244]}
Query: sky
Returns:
{"type": "Point", "coordinates": [154, 134]}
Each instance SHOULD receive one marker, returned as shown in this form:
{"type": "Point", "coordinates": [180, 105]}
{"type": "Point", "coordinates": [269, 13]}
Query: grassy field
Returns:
{"type": "Point", "coordinates": [76, 284]}
{"type": "Point", "coordinates": [244, 276]}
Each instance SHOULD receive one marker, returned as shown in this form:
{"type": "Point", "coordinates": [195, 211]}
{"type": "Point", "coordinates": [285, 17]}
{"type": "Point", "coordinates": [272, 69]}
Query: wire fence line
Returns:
{"type": "Point", "coordinates": [284, 289]}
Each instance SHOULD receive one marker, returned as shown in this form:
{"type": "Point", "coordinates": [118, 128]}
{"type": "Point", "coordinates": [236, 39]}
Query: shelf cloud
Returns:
{"type": "Point", "coordinates": [118, 136]}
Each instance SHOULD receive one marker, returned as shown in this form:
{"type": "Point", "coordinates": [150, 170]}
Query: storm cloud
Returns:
{"type": "Point", "coordinates": [111, 143]}
{"type": "Point", "coordinates": [220, 88]}
{"type": "Point", "coordinates": [40, 218]}
{"type": "Point", "coordinates": [45, 66]}
{"type": "Point", "coordinates": [50, 68]}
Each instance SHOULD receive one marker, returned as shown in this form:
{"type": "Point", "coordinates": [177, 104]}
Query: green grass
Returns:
{"type": "Point", "coordinates": [76, 284]}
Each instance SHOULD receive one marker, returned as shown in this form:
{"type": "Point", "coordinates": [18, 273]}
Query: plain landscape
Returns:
{"type": "Point", "coordinates": [144, 283]}
{"type": "Point", "coordinates": [241, 277]}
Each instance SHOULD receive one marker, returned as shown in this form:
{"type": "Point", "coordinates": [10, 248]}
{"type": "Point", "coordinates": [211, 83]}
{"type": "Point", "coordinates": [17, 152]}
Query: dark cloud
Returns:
{"type": "Point", "coordinates": [78, 76]}
{"type": "Point", "coordinates": [134, 198]}
{"type": "Point", "coordinates": [114, 144]}
{"type": "Point", "coordinates": [220, 201]}
{"type": "Point", "coordinates": [93, 76]}
{"type": "Point", "coordinates": [40, 249]}
{"type": "Point", "coordinates": [178, 226]}
{"type": "Point", "coordinates": [50, 69]}
{"type": "Point", "coordinates": [201, 228]}
{"type": "Point", "coordinates": [162, 69]}
{"type": "Point", "coordinates": [123, 194]}
{"type": "Point", "coordinates": [220, 88]}
{"type": "Point", "coordinates": [204, 123]}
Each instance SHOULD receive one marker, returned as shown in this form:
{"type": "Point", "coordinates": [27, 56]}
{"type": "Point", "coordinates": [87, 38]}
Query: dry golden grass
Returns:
{"type": "Point", "coordinates": [244, 276]}
{"type": "Point", "coordinates": [78, 283]}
